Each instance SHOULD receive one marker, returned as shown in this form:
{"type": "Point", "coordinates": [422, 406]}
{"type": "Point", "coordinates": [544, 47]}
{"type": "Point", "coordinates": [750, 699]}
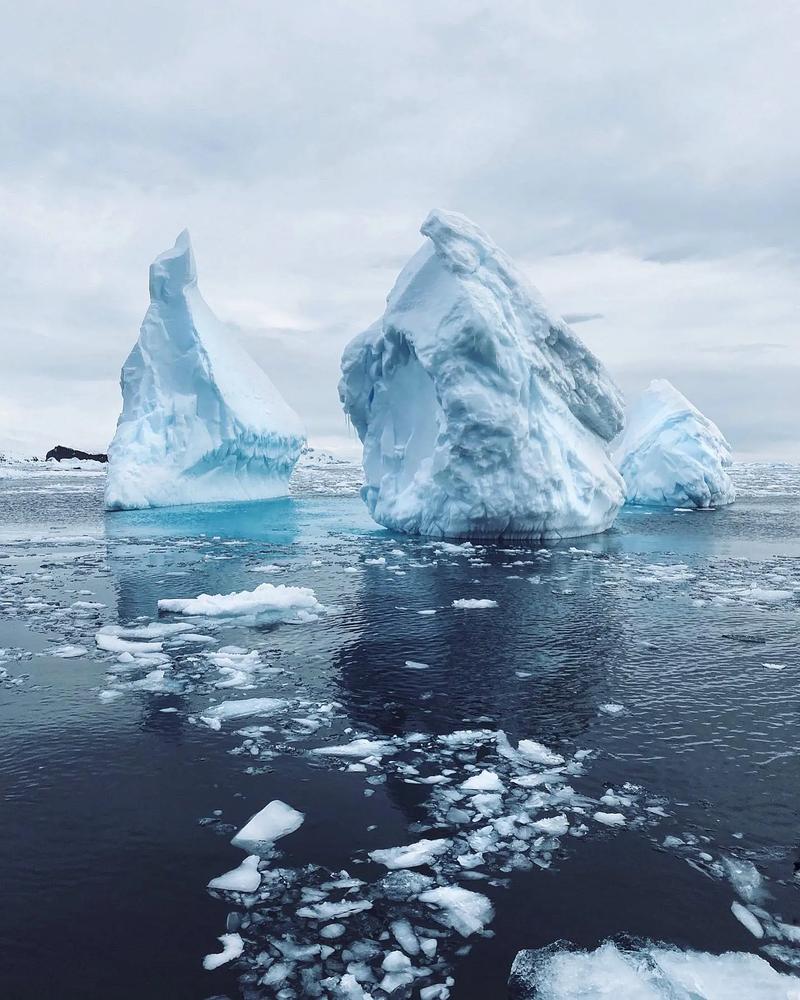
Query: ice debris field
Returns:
{"type": "Point", "coordinates": [401, 913]}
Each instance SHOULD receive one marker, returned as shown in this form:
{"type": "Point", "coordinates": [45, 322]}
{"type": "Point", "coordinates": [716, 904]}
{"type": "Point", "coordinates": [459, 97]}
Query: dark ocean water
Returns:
{"type": "Point", "coordinates": [667, 647]}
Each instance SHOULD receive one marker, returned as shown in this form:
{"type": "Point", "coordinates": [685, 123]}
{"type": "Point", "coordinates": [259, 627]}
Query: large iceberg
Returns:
{"type": "Point", "coordinates": [481, 415]}
{"type": "Point", "coordinates": [200, 421]}
{"type": "Point", "coordinates": [671, 455]}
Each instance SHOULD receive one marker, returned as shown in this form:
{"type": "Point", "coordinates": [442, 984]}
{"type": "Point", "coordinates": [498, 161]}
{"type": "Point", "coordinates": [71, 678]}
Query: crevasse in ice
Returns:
{"type": "Point", "coordinates": [481, 415]}
{"type": "Point", "coordinates": [671, 454]}
{"type": "Point", "coordinates": [201, 421]}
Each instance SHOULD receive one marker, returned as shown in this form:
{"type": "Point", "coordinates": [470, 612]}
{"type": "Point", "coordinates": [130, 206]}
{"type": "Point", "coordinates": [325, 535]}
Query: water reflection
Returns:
{"type": "Point", "coordinates": [537, 663]}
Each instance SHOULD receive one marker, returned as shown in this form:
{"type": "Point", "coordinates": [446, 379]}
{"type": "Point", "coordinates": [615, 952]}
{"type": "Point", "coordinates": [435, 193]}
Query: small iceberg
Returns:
{"type": "Point", "coordinates": [201, 422]}
{"type": "Point", "coordinates": [671, 455]}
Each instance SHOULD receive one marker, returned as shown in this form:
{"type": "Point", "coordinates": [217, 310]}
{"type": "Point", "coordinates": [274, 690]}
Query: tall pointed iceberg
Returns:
{"type": "Point", "coordinates": [671, 455]}
{"type": "Point", "coordinates": [200, 421]}
{"type": "Point", "coordinates": [481, 415]}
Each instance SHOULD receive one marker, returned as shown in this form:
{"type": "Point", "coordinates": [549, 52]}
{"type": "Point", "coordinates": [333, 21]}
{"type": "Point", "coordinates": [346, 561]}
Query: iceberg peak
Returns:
{"type": "Point", "coordinates": [481, 414]}
{"type": "Point", "coordinates": [673, 455]}
{"type": "Point", "coordinates": [174, 270]}
{"type": "Point", "coordinates": [201, 422]}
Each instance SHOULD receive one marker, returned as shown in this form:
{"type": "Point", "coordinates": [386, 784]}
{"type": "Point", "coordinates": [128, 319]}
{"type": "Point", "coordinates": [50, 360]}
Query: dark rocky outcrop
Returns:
{"type": "Point", "coordinates": [59, 453]}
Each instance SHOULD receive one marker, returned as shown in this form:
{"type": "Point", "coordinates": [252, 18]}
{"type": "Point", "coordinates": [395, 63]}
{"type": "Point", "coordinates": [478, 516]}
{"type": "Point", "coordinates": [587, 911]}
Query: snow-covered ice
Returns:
{"type": "Point", "coordinates": [473, 603]}
{"type": "Point", "coordinates": [201, 421]}
{"type": "Point", "coordinates": [275, 820]}
{"type": "Point", "coordinates": [481, 414]}
{"type": "Point", "coordinates": [649, 973]}
{"type": "Point", "coordinates": [672, 455]}
{"type": "Point", "coordinates": [266, 599]}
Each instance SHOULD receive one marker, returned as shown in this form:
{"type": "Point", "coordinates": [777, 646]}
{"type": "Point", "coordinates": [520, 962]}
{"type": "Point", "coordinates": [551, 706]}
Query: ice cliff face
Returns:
{"type": "Point", "coordinates": [671, 455]}
{"type": "Point", "coordinates": [481, 415]}
{"type": "Point", "coordinates": [200, 421]}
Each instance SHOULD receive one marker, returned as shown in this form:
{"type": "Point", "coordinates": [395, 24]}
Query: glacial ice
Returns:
{"type": "Point", "coordinates": [671, 455]}
{"type": "Point", "coordinates": [649, 973]}
{"type": "Point", "coordinates": [411, 855]}
{"type": "Point", "coordinates": [232, 948]}
{"type": "Point", "coordinates": [481, 415]}
{"type": "Point", "coordinates": [462, 909]}
{"type": "Point", "coordinates": [200, 422]}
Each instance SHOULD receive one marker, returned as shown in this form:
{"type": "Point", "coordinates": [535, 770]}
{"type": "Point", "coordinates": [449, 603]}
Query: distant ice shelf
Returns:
{"type": "Point", "coordinates": [671, 455]}
{"type": "Point", "coordinates": [481, 414]}
{"type": "Point", "coordinates": [201, 422]}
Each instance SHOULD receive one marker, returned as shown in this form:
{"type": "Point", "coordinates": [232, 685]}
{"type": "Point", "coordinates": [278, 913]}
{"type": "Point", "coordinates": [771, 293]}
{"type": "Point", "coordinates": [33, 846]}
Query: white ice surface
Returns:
{"type": "Point", "coordinates": [245, 878]}
{"type": "Point", "coordinates": [201, 421]}
{"type": "Point", "coordinates": [422, 852]}
{"type": "Point", "coordinates": [661, 974]}
{"type": "Point", "coordinates": [481, 414]}
{"type": "Point", "coordinates": [672, 455]}
{"type": "Point", "coordinates": [232, 947]}
{"type": "Point", "coordinates": [266, 599]}
{"type": "Point", "coordinates": [274, 821]}
{"type": "Point", "coordinates": [462, 909]}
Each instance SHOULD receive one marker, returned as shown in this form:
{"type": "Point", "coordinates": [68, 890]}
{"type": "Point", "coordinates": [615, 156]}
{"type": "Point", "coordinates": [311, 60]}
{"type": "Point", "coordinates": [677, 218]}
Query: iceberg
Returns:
{"type": "Point", "coordinates": [671, 455]}
{"type": "Point", "coordinates": [481, 415]}
{"type": "Point", "coordinates": [200, 422]}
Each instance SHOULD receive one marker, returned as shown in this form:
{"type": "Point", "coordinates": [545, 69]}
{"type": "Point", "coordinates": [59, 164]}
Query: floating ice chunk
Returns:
{"type": "Point", "coordinates": [232, 947]}
{"type": "Point", "coordinates": [763, 595]}
{"type": "Point", "coordinates": [114, 644]}
{"type": "Point", "coordinates": [332, 931]}
{"type": "Point", "coordinates": [200, 421]}
{"type": "Point", "coordinates": [67, 651]}
{"type": "Point", "coordinates": [266, 599]}
{"type": "Point", "coordinates": [462, 909]}
{"type": "Point", "coordinates": [611, 708]}
{"type": "Point", "coordinates": [481, 414]}
{"type": "Point", "coordinates": [474, 603]}
{"type": "Point", "coordinates": [274, 821]}
{"type": "Point", "coordinates": [335, 911]}
{"type": "Point", "coordinates": [109, 694]}
{"type": "Point", "coordinates": [610, 819]}
{"type": "Point", "coordinates": [747, 919]}
{"type": "Point", "coordinates": [552, 826]}
{"type": "Point", "coordinates": [775, 666]}
{"type": "Point", "coordinates": [485, 781]}
{"type": "Point", "coordinates": [671, 455]}
{"type": "Point", "coordinates": [538, 753]}
{"type": "Point", "coordinates": [358, 748]}
{"type": "Point", "coordinates": [745, 878]}
{"type": "Point", "coordinates": [647, 974]}
{"type": "Point", "coordinates": [245, 878]}
{"type": "Point", "coordinates": [404, 935]}
{"type": "Point", "coordinates": [412, 855]}
{"type": "Point", "coordinates": [415, 665]}
{"type": "Point", "coordinates": [243, 708]}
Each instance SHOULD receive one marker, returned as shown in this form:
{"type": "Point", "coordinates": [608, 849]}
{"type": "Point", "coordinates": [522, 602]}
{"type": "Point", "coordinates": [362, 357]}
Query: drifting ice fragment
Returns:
{"type": "Point", "coordinates": [462, 909]}
{"type": "Point", "coordinates": [232, 947]}
{"type": "Point", "coordinates": [266, 599]}
{"type": "Point", "coordinates": [481, 415]}
{"type": "Point", "coordinates": [200, 421]}
{"type": "Point", "coordinates": [671, 455]}
{"type": "Point", "coordinates": [412, 855]}
{"type": "Point", "coordinates": [245, 878]}
{"type": "Point", "coordinates": [274, 821]}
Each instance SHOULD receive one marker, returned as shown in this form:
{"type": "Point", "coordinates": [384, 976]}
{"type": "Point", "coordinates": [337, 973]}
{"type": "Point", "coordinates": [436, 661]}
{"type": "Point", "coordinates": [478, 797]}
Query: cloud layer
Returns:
{"type": "Point", "coordinates": [642, 163]}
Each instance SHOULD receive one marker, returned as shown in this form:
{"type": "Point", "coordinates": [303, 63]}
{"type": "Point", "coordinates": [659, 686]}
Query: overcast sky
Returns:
{"type": "Point", "coordinates": [640, 161]}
